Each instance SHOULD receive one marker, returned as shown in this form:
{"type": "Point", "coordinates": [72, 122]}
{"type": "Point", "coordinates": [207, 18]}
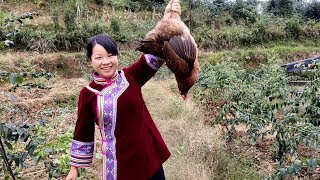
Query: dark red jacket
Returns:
{"type": "Point", "coordinates": [139, 149]}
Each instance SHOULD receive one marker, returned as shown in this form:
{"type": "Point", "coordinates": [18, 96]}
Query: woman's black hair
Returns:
{"type": "Point", "coordinates": [107, 42]}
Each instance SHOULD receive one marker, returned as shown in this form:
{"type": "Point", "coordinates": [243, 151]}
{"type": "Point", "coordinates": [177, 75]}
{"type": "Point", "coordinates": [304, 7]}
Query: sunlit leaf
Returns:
{"type": "Point", "coordinates": [8, 42]}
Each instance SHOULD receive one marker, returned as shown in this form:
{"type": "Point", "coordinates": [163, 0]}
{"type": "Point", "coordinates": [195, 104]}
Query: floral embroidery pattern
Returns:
{"type": "Point", "coordinates": [108, 101]}
{"type": "Point", "coordinates": [81, 153]}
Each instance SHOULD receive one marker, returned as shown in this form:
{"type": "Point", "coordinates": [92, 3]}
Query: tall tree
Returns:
{"type": "Point", "coordinates": [242, 10]}
{"type": "Point", "coordinates": [280, 7]}
{"type": "Point", "coordinates": [312, 10]}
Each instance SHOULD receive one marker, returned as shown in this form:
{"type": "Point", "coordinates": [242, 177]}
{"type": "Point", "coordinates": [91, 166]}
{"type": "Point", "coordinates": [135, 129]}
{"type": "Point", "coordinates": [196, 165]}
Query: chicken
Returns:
{"type": "Point", "coordinates": [172, 41]}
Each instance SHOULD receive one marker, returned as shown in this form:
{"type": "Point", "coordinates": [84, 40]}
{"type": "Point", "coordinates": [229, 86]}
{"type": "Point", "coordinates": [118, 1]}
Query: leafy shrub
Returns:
{"type": "Point", "coordinates": [117, 32]}
{"type": "Point", "coordinates": [311, 29]}
{"type": "Point", "coordinates": [30, 39]}
{"type": "Point", "coordinates": [70, 18]}
{"type": "Point", "coordinates": [241, 11]}
{"type": "Point", "coordinates": [118, 4]}
{"type": "Point", "coordinates": [55, 19]}
{"type": "Point", "coordinates": [262, 98]}
{"type": "Point", "coordinates": [94, 28]}
{"type": "Point", "coordinates": [204, 37]}
{"type": "Point", "coordinates": [74, 40]}
{"type": "Point", "coordinates": [115, 25]}
{"type": "Point", "coordinates": [312, 10]}
{"type": "Point", "coordinates": [259, 30]}
{"type": "Point", "coordinates": [19, 144]}
{"type": "Point", "coordinates": [280, 7]}
{"type": "Point", "coordinates": [10, 27]}
{"type": "Point", "coordinates": [293, 27]}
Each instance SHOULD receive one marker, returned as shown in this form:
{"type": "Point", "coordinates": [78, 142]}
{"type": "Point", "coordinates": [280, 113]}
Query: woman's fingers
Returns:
{"type": "Point", "coordinates": [173, 6]}
{"type": "Point", "coordinates": [176, 7]}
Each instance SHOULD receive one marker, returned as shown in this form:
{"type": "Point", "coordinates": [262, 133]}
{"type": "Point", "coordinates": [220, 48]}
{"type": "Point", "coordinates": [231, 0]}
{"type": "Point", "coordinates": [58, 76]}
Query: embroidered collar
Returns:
{"type": "Point", "coordinates": [104, 81]}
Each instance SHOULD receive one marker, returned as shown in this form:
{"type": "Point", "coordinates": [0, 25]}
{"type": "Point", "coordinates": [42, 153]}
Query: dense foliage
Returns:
{"type": "Point", "coordinates": [268, 104]}
{"type": "Point", "coordinates": [216, 24]}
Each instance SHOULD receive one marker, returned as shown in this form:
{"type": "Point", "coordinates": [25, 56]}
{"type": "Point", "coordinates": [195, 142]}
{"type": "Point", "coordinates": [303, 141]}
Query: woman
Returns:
{"type": "Point", "coordinates": [132, 146]}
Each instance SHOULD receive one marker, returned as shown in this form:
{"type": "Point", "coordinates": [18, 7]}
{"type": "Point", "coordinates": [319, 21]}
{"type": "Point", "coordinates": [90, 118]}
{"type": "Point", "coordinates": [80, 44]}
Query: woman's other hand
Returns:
{"type": "Point", "coordinates": [72, 174]}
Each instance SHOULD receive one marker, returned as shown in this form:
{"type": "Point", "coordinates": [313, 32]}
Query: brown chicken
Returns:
{"type": "Point", "coordinates": [172, 41]}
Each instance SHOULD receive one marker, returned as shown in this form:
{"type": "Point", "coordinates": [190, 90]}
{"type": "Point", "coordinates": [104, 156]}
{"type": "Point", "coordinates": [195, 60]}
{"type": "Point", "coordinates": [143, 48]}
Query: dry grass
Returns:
{"type": "Point", "coordinates": [193, 145]}
{"type": "Point", "coordinates": [64, 63]}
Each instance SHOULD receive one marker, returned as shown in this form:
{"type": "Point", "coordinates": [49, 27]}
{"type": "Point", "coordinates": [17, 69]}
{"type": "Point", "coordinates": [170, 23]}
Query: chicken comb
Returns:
{"type": "Point", "coordinates": [184, 47]}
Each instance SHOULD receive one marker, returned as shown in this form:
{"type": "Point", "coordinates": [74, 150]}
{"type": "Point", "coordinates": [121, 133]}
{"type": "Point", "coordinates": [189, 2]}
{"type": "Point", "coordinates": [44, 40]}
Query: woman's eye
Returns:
{"type": "Point", "coordinates": [98, 58]}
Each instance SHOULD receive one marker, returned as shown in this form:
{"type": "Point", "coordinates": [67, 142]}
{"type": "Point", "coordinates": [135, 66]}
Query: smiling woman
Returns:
{"type": "Point", "coordinates": [103, 62]}
{"type": "Point", "coordinates": [132, 146]}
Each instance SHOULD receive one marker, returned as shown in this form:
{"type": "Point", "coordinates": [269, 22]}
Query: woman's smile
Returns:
{"type": "Point", "coordinates": [104, 63]}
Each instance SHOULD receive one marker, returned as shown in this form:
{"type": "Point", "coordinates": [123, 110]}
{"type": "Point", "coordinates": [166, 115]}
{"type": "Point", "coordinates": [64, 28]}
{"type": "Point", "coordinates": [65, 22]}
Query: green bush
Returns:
{"type": "Point", "coordinates": [94, 28]}
{"type": "Point", "coordinates": [293, 27]}
{"type": "Point", "coordinates": [72, 41]}
{"type": "Point", "coordinates": [260, 98]}
{"type": "Point", "coordinates": [31, 39]}
{"type": "Point", "coordinates": [311, 29]}
{"type": "Point", "coordinates": [119, 32]}
{"type": "Point", "coordinates": [259, 30]}
{"type": "Point", "coordinates": [70, 18]}
{"type": "Point", "coordinates": [242, 12]}
{"type": "Point", "coordinates": [55, 19]}
{"type": "Point", "coordinates": [120, 4]}
{"type": "Point", "coordinates": [204, 37]}
{"type": "Point", "coordinates": [115, 25]}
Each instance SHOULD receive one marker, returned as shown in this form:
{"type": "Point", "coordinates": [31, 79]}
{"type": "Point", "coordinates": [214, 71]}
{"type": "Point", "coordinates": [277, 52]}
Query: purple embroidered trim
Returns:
{"type": "Point", "coordinates": [85, 148]}
{"type": "Point", "coordinates": [153, 61]}
{"type": "Point", "coordinates": [109, 124]}
{"type": "Point", "coordinates": [81, 153]}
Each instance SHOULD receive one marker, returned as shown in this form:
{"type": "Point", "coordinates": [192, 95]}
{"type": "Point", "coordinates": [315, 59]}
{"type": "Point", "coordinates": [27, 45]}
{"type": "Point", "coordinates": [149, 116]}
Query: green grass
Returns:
{"type": "Point", "coordinates": [235, 168]}
{"type": "Point", "coordinates": [259, 54]}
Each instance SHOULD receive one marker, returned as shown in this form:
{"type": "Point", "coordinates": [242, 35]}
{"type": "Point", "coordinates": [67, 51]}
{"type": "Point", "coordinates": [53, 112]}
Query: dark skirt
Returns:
{"type": "Point", "coordinates": [159, 175]}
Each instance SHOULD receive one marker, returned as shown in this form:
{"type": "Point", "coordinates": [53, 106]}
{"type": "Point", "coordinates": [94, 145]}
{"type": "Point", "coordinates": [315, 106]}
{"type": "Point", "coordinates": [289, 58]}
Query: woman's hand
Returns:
{"type": "Point", "coordinates": [72, 174]}
{"type": "Point", "coordinates": [173, 8]}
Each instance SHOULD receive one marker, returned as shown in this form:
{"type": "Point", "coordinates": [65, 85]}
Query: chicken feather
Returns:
{"type": "Point", "coordinates": [171, 40]}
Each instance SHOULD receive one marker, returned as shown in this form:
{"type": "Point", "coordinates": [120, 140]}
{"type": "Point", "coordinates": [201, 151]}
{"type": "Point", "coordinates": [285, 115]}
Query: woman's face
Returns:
{"type": "Point", "coordinates": [104, 63]}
